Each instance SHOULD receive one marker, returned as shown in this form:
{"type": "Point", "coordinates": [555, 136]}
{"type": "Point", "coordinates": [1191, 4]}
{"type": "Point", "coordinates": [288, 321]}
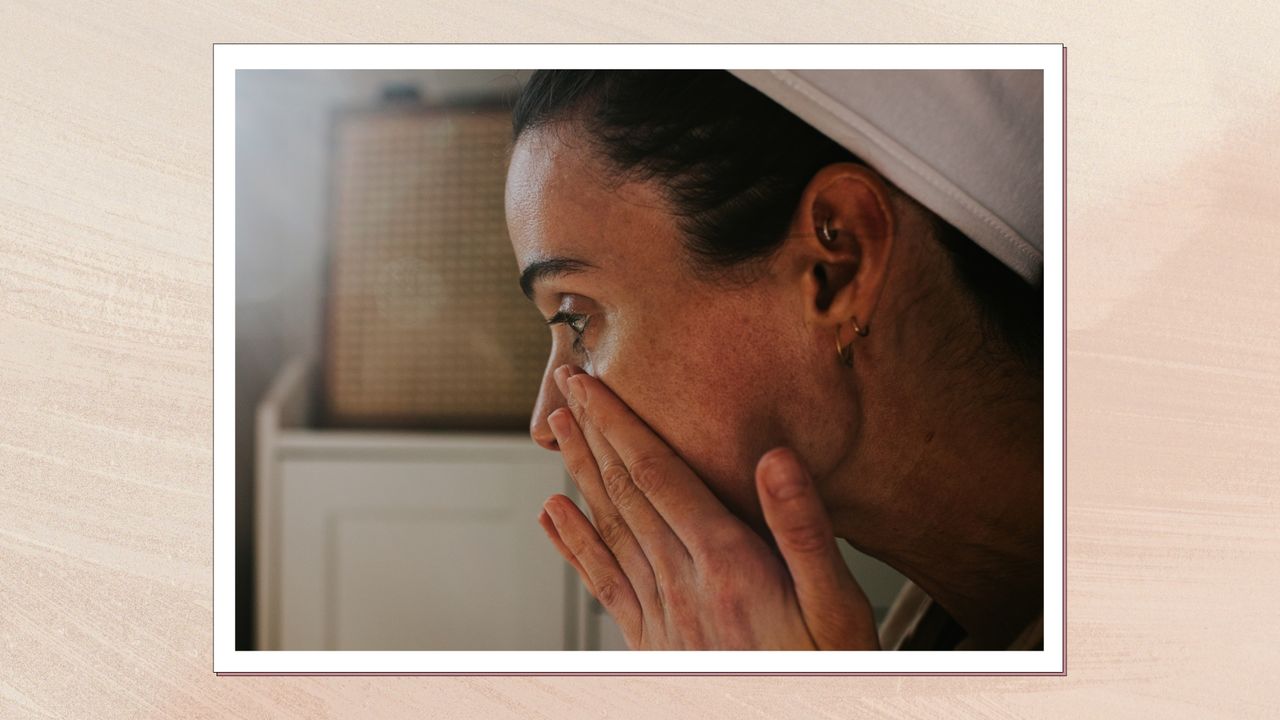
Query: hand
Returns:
{"type": "Point", "coordinates": [672, 565]}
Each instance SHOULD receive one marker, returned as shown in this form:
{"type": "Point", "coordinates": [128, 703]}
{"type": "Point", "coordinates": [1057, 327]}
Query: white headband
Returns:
{"type": "Point", "coordinates": [967, 144]}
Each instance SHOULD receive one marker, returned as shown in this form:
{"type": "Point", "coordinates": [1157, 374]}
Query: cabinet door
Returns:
{"type": "Point", "coordinates": [435, 552]}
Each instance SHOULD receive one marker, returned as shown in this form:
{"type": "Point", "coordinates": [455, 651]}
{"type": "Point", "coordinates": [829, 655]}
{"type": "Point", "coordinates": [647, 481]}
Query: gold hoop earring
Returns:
{"type": "Point", "coordinates": [845, 353]}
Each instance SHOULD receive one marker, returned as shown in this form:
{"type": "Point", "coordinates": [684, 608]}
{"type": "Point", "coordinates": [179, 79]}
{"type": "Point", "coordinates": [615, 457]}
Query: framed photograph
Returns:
{"type": "Point", "coordinates": [669, 359]}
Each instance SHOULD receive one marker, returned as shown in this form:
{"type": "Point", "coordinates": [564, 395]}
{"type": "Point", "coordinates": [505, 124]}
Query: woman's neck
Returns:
{"type": "Point", "coordinates": [964, 519]}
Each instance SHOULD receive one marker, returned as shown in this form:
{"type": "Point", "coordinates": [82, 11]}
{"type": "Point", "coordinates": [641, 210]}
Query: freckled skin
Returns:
{"type": "Point", "coordinates": [713, 370]}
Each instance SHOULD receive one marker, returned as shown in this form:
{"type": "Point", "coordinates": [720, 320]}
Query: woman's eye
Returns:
{"type": "Point", "coordinates": [575, 322]}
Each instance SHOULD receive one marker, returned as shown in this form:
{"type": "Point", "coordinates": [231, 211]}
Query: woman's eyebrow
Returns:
{"type": "Point", "coordinates": [549, 268]}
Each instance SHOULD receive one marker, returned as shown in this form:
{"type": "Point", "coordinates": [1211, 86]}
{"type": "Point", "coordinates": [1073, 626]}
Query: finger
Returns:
{"type": "Point", "coordinates": [682, 501]}
{"type": "Point", "coordinates": [834, 607]}
{"type": "Point", "coordinates": [602, 574]}
{"type": "Point", "coordinates": [550, 529]}
{"type": "Point", "coordinates": [667, 554]}
{"type": "Point", "coordinates": [611, 526]}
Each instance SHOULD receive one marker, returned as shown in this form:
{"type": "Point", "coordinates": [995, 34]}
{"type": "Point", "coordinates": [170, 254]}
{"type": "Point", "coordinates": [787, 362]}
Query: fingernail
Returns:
{"type": "Point", "coordinates": [559, 374]}
{"type": "Point", "coordinates": [786, 479]}
{"type": "Point", "coordinates": [559, 424]}
{"type": "Point", "coordinates": [577, 389]}
{"type": "Point", "coordinates": [554, 512]}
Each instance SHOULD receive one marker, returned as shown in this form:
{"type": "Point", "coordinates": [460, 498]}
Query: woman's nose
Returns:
{"type": "Point", "coordinates": [549, 400]}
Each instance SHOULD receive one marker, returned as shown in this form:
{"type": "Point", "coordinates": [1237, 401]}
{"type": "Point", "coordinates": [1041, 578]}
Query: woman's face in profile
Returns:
{"type": "Point", "coordinates": [709, 368]}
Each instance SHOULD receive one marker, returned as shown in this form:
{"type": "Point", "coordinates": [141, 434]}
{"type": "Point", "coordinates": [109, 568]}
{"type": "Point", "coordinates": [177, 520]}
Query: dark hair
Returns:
{"type": "Point", "coordinates": [733, 164]}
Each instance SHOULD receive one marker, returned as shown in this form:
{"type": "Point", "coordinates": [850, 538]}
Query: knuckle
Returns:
{"type": "Point", "coordinates": [677, 603]}
{"type": "Point", "coordinates": [716, 565]}
{"type": "Point", "coordinates": [602, 424]}
{"type": "Point", "coordinates": [734, 571]}
{"type": "Point", "coordinates": [718, 577]}
{"type": "Point", "coordinates": [726, 540]}
{"type": "Point", "coordinates": [614, 475]}
{"type": "Point", "coordinates": [668, 580]}
{"type": "Point", "coordinates": [727, 600]}
{"type": "Point", "coordinates": [725, 551]}
{"type": "Point", "coordinates": [648, 474]}
{"type": "Point", "coordinates": [607, 591]}
{"type": "Point", "coordinates": [613, 530]}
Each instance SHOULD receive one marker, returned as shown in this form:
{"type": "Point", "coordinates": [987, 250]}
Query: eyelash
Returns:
{"type": "Point", "coordinates": [569, 319]}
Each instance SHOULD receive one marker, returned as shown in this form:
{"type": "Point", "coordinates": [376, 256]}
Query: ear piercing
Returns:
{"type": "Point", "coordinates": [828, 235]}
{"type": "Point", "coordinates": [845, 352]}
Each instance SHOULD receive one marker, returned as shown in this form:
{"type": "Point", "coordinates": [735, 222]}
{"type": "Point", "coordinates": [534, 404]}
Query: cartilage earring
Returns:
{"type": "Point", "coordinates": [828, 235]}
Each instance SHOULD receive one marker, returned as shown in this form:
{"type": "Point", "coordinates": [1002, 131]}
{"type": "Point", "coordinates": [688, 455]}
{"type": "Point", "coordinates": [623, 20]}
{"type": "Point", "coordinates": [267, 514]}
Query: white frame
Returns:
{"type": "Point", "coordinates": [228, 58]}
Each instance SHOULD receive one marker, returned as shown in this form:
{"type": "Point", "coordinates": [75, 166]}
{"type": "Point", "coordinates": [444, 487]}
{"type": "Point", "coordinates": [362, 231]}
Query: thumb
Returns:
{"type": "Point", "coordinates": [833, 605]}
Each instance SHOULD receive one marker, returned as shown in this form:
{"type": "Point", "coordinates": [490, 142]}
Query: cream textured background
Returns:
{"type": "Point", "coordinates": [105, 360]}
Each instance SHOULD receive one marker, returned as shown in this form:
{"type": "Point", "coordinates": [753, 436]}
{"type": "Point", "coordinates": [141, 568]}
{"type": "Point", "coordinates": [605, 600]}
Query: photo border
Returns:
{"type": "Point", "coordinates": [228, 58]}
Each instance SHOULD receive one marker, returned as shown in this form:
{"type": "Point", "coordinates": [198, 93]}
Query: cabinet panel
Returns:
{"type": "Point", "coordinates": [421, 554]}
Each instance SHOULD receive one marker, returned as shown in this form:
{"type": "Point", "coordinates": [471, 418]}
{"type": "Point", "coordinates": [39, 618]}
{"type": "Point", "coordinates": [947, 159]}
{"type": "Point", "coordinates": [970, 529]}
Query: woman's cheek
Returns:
{"type": "Point", "coordinates": [683, 393]}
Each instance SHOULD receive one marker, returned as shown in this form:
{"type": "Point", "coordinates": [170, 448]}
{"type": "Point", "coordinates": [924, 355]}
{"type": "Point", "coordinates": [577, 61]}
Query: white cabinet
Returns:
{"type": "Point", "coordinates": [406, 541]}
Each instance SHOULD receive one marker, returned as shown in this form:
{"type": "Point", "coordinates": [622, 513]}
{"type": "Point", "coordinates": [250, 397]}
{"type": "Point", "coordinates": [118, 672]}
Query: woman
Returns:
{"type": "Point", "coordinates": [759, 345]}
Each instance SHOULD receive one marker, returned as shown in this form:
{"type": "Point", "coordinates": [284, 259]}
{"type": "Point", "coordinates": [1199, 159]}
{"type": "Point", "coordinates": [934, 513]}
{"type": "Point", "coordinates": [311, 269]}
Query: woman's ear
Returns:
{"type": "Point", "coordinates": [843, 238]}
